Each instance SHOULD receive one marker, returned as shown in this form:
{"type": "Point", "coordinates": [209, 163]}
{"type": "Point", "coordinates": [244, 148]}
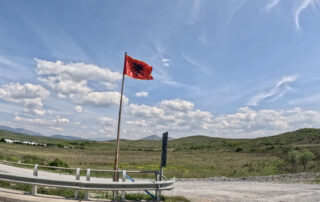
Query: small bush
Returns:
{"type": "Point", "coordinates": [32, 160]}
{"type": "Point", "coordinates": [304, 157]}
{"type": "Point", "coordinates": [238, 149]}
{"type": "Point", "coordinates": [58, 163]}
{"type": "Point", "coordinates": [138, 196]}
{"type": "Point", "coordinates": [293, 157]}
{"type": "Point", "coordinates": [2, 140]}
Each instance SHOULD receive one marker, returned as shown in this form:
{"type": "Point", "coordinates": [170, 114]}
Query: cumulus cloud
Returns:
{"type": "Point", "coordinates": [176, 115]}
{"type": "Point", "coordinates": [142, 94]}
{"type": "Point", "coordinates": [145, 111]}
{"type": "Point", "coordinates": [273, 93]}
{"type": "Point", "coordinates": [75, 71]}
{"type": "Point", "coordinates": [181, 117]}
{"type": "Point", "coordinates": [106, 121]}
{"type": "Point", "coordinates": [99, 99]}
{"type": "Point", "coordinates": [71, 80]}
{"type": "Point", "coordinates": [78, 109]}
{"type": "Point", "coordinates": [59, 121]}
{"type": "Point", "coordinates": [177, 104]}
{"type": "Point", "coordinates": [247, 123]}
{"type": "Point", "coordinates": [137, 123]}
{"type": "Point", "coordinates": [28, 94]}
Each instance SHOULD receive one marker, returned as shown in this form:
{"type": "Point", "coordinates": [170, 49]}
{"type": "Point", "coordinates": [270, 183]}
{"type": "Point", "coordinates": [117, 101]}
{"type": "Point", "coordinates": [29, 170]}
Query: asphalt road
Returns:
{"type": "Point", "coordinates": [201, 190]}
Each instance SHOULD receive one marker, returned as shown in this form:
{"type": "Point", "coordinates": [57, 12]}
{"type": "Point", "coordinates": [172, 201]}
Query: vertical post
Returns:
{"type": "Point", "coordinates": [124, 175]}
{"type": "Point", "coordinates": [76, 193]}
{"type": "Point", "coordinates": [163, 153]}
{"type": "Point", "coordinates": [35, 174]}
{"type": "Point", "coordinates": [116, 160]}
{"type": "Point", "coordinates": [158, 192]}
{"type": "Point", "coordinates": [86, 197]}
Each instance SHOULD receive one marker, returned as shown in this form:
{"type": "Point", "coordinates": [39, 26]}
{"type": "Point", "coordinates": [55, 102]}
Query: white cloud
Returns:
{"type": "Point", "coordinates": [180, 118]}
{"type": "Point", "coordinates": [247, 123]}
{"type": "Point", "coordinates": [75, 71]}
{"type": "Point", "coordinates": [165, 62]}
{"type": "Point", "coordinates": [297, 13]}
{"type": "Point", "coordinates": [145, 111]}
{"type": "Point", "coordinates": [142, 94]}
{"type": "Point", "coordinates": [174, 115]}
{"type": "Point", "coordinates": [109, 86]}
{"type": "Point", "coordinates": [71, 80]}
{"type": "Point", "coordinates": [100, 99]}
{"type": "Point", "coordinates": [273, 93]}
{"type": "Point", "coordinates": [305, 4]}
{"type": "Point", "coordinates": [29, 95]}
{"type": "Point", "coordinates": [106, 121]}
{"type": "Point", "coordinates": [177, 104]}
{"type": "Point", "coordinates": [78, 109]}
{"type": "Point", "coordinates": [272, 4]}
{"type": "Point", "coordinates": [59, 121]}
{"type": "Point", "coordinates": [137, 123]}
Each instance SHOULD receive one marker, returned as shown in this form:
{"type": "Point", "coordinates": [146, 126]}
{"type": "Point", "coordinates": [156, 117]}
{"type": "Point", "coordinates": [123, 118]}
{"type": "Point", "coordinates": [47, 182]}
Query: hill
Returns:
{"type": "Point", "coordinates": [66, 137]}
{"type": "Point", "coordinates": [25, 132]}
{"type": "Point", "coordinates": [20, 130]}
{"type": "Point", "coordinates": [151, 137]}
{"type": "Point", "coordinates": [194, 156]}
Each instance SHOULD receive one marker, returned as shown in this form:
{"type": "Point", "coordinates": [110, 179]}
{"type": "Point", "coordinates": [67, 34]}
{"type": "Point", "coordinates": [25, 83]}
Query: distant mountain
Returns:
{"type": "Point", "coordinates": [154, 137]}
{"type": "Point", "coordinates": [151, 137]}
{"type": "Point", "coordinates": [20, 130]}
{"type": "Point", "coordinates": [32, 133]}
{"type": "Point", "coordinates": [66, 137]}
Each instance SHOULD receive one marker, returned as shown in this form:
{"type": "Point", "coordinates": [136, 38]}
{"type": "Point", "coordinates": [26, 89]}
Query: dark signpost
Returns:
{"type": "Point", "coordinates": [164, 150]}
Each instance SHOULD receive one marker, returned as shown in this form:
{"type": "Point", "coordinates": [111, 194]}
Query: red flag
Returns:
{"type": "Point", "coordinates": [137, 69]}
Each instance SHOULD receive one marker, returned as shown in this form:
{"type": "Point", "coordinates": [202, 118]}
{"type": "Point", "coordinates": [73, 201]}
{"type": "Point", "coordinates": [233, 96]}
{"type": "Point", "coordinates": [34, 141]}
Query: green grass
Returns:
{"type": "Point", "coordinates": [189, 157]}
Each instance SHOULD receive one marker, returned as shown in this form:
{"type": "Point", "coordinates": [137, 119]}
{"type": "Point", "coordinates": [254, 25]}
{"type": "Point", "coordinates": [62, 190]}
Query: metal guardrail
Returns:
{"type": "Point", "coordinates": [74, 184]}
{"type": "Point", "coordinates": [87, 185]}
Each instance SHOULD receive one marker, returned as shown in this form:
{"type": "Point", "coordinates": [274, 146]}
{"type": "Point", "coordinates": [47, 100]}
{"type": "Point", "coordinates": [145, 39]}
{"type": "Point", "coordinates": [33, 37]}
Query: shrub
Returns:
{"type": "Point", "coordinates": [32, 160]}
{"type": "Point", "coordinates": [293, 157]}
{"type": "Point", "coordinates": [58, 163]}
{"type": "Point", "coordinates": [238, 149]}
{"type": "Point", "coordinates": [304, 157]}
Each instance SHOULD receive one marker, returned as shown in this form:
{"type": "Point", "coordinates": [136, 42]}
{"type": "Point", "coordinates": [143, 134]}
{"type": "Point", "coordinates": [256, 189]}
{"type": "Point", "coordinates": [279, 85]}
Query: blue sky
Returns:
{"type": "Point", "coordinates": [234, 69]}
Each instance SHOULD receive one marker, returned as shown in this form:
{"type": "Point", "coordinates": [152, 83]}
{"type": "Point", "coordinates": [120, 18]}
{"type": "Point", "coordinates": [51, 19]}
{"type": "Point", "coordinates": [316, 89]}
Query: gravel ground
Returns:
{"type": "Point", "coordinates": [222, 189]}
{"type": "Point", "coordinates": [246, 191]}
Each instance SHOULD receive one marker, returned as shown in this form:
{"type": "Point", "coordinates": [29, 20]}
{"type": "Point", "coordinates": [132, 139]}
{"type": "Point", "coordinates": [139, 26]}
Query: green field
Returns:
{"type": "Point", "coordinates": [189, 157]}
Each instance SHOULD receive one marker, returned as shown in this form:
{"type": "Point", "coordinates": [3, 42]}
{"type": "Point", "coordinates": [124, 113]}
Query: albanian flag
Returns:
{"type": "Point", "coordinates": [137, 69]}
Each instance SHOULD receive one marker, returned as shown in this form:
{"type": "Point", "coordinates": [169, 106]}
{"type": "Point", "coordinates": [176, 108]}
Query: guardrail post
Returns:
{"type": "Point", "coordinates": [35, 174]}
{"type": "Point", "coordinates": [76, 193]}
{"type": "Point", "coordinates": [86, 197]}
{"type": "Point", "coordinates": [123, 193]}
{"type": "Point", "coordinates": [158, 192]}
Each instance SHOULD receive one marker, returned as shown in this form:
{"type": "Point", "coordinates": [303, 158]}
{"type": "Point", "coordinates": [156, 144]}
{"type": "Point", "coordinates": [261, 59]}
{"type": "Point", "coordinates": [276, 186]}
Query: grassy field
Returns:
{"type": "Point", "coordinates": [190, 157]}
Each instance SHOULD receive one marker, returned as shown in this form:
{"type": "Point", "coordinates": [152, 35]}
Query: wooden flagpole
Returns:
{"type": "Point", "coordinates": [116, 160]}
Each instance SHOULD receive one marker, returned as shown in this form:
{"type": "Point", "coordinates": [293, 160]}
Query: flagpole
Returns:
{"type": "Point", "coordinates": [116, 160]}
